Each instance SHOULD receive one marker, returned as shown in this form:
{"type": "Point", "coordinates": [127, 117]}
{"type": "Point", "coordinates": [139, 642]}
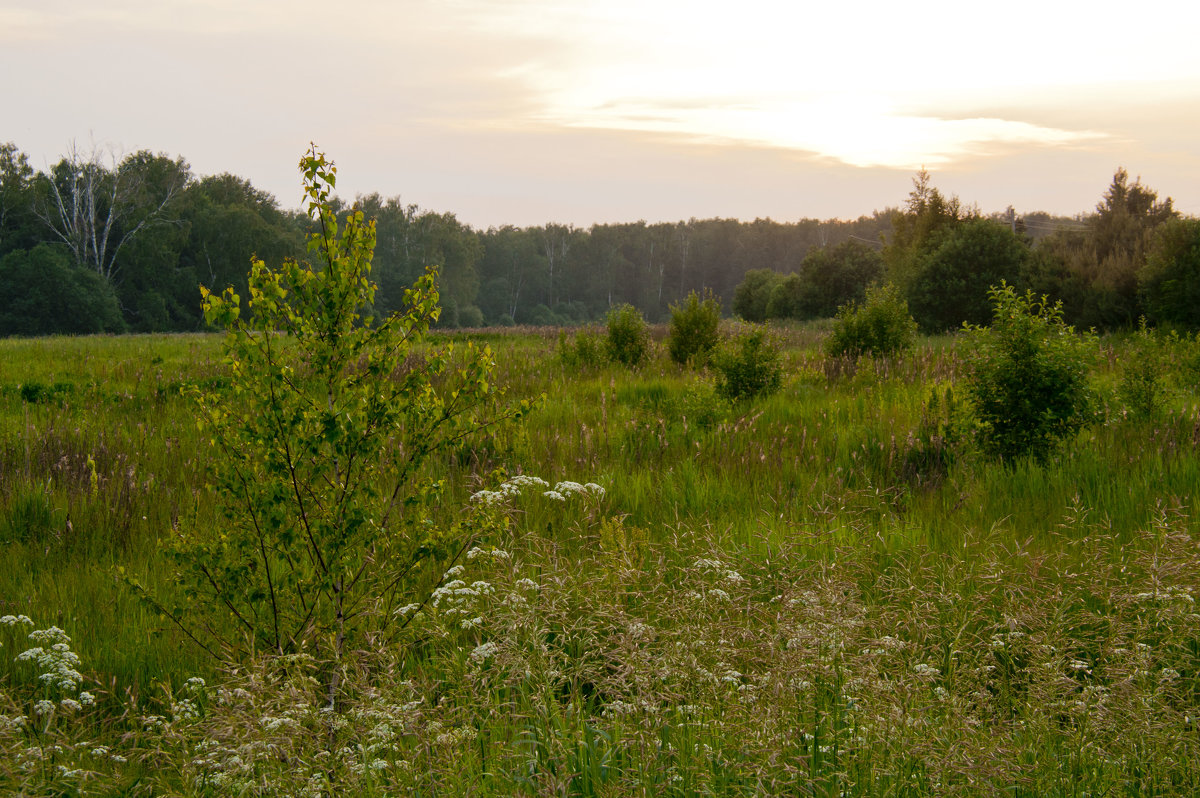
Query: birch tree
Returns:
{"type": "Point", "coordinates": [96, 210]}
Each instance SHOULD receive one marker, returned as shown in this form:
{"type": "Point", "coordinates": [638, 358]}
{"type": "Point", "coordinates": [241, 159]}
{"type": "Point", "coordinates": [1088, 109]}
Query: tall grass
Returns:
{"type": "Point", "coordinates": [907, 618]}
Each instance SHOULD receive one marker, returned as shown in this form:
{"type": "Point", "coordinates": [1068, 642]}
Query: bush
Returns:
{"type": "Point", "coordinates": [880, 326]}
{"type": "Point", "coordinates": [750, 365]}
{"type": "Point", "coordinates": [585, 350]}
{"type": "Point", "coordinates": [951, 283]}
{"type": "Point", "coordinates": [694, 328]}
{"type": "Point", "coordinates": [628, 336]}
{"type": "Point", "coordinates": [43, 293]}
{"type": "Point", "coordinates": [1143, 386]}
{"type": "Point", "coordinates": [1170, 280]}
{"type": "Point", "coordinates": [1028, 377]}
{"type": "Point", "coordinates": [753, 293]}
{"type": "Point", "coordinates": [318, 447]}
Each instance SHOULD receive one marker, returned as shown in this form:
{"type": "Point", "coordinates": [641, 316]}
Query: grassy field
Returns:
{"type": "Point", "coordinates": [823, 592]}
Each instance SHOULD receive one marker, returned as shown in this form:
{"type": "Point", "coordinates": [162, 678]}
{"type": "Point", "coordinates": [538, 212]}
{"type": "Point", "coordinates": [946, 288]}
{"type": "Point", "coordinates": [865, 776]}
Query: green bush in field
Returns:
{"type": "Point", "coordinates": [880, 326]}
{"type": "Point", "coordinates": [318, 443]}
{"type": "Point", "coordinates": [749, 365]}
{"type": "Point", "coordinates": [1028, 377]}
{"type": "Point", "coordinates": [695, 324]}
{"type": "Point", "coordinates": [1169, 283]}
{"type": "Point", "coordinates": [628, 335]}
{"type": "Point", "coordinates": [1143, 387]}
{"type": "Point", "coordinates": [587, 349]}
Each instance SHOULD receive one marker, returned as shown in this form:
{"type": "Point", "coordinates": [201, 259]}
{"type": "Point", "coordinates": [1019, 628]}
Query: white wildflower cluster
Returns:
{"type": "Point", "coordinates": [564, 490]}
{"type": "Point", "coordinates": [717, 568]}
{"type": "Point", "coordinates": [456, 597]}
{"type": "Point", "coordinates": [1170, 594]}
{"type": "Point", "coordinates": [476, 552]}
{"type": "Point", "coordinates": [484, 651]}
{"type": "Point", "coordinates": [517, 485]}
{"type": "Point", "coordinates": [509, 489]}
{"type": "Point", "coordinates": [58, 663]}
{"type": "Point", "coordinates": [926, 671]}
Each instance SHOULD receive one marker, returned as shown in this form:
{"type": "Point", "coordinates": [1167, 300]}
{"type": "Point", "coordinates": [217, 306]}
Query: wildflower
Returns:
{"type": "Point", "coordinates": [524, 480]}
{"type": "Point", "coordinates": [54, 657]}
{"type": "Point", "coordinates": [403, 612]}
{"type": "Point", "coordinates": [555, 495]}
{"type": "Point", "coordinates": [483, 651]}
{"type": "Point", "coordinates": [487, 497]}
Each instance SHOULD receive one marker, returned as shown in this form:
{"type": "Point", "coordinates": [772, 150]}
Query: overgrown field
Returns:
{"type": "Point", "coordinates": [827, 591]}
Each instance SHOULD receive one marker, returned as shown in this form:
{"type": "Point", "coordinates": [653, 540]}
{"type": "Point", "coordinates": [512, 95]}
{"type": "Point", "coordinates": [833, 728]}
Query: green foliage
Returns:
{"type": "Point", "coordinates": [1028, 378]}
{"type": "Point", "coordinates": [1170, 281]}
{"type": "Point", "coordinates": [695, 327]}
{"type": "Point", "coordinates": [829, 278]}
{"type": "Point", "coordinates": [748, 366]}
{"type": "Point", "coordinates": [949, 285]}
{"type": "Point", "coordinates": [1104, 260]}
{"type": "Point", "coordinates": [317, 446]}
{"type": "Point", "coordinates": [587, 349]}
{"type": "Point", "coordinates": [926, 215]}
{"type": "Point", "coordinates": [880, 326]}
{"type": "Point", "coordinates": [751, 297]}
{"type": "Point", "coordinates": [43, 293]}
{"type": "Point", "coordinates": [628, 336]}
{"type": "Point", "coordinates": [1143, 387]}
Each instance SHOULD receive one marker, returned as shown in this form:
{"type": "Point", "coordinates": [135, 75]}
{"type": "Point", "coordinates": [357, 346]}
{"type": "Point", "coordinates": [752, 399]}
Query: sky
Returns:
{"type": "Point", "coordinates": [526, 112]}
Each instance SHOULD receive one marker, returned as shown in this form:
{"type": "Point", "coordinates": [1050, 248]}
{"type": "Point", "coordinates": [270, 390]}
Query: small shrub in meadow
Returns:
{"type": "Point", "coordinates": [694, 328]}
{"type": "Point", "coordinates": [1143, 387]}
{"type": "Point", "coordinates": [628, 335]}
{"type": "Point", "coordinates": [881, 325]}
{"type": "Point", "coordinates": [585, 350]}
{"type": "Point", "coordinates": [749, 365]}
{"type": "Point", "coordinates": [1028, 378]}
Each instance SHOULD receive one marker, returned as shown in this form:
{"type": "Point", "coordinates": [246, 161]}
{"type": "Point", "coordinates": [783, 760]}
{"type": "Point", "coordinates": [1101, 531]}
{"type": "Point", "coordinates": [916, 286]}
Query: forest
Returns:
{"type": "Point", "coordinates": [99, 243]}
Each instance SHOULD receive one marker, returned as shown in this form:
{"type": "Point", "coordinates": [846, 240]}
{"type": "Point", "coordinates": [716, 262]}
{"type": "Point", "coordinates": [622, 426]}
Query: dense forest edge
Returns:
{"type": "Point", "coordinates": [99, 243]}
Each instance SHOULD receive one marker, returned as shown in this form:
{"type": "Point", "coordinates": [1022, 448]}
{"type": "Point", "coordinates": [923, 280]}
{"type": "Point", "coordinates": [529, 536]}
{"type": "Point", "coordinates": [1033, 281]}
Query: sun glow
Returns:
{"type": "Point", "coordinates": [873, 85]}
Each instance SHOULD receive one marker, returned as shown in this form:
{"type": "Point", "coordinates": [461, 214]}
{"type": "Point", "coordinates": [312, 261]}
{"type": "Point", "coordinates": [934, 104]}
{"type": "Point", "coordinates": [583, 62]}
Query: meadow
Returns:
{"type": "Point", "coordinates": [826, 591]}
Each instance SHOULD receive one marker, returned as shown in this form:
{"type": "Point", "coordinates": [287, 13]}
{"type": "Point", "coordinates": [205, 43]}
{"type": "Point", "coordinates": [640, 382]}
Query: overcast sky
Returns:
{"type": "Point", "coordinates": [531, 111]}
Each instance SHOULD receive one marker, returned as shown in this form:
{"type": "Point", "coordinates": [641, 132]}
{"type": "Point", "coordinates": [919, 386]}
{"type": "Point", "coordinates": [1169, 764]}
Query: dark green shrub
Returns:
{"type": "Point", "coordinates": [829, 278]}
{"type": "Point", "coordinates": [586, 349]}
{"type": "Point", "coordinates": [1028, 377]}
{"type": "Point", "coordinates": [43, 293]}
{"type": "Point", "coordinates": [950, 285]}
{"type": "Point", "coordinates": [1143, 386]}
{"type": "Point", "coordinates": [470, 316]}
{"type": "Point", "coordinates": [695, 327]}
{"type": "Point", "coordinates": [34, 392]}
{"type": "Point", "coordinates": [752, 294]}
{"type": "Point", "coordinates": [1170, 281]}
{"type": "Point", "coordinates": [749, 365]}
{"type": "Point", "coordinates": [879, 326]}
{"type": "Point", "coordinates": [628, 335]}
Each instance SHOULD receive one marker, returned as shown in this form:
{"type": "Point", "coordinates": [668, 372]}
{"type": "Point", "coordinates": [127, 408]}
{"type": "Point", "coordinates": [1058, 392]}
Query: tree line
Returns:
{"type": "Point", "coordinates": [1135, 257]}
{"type": "Point", "coordinates": [100, 243]}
